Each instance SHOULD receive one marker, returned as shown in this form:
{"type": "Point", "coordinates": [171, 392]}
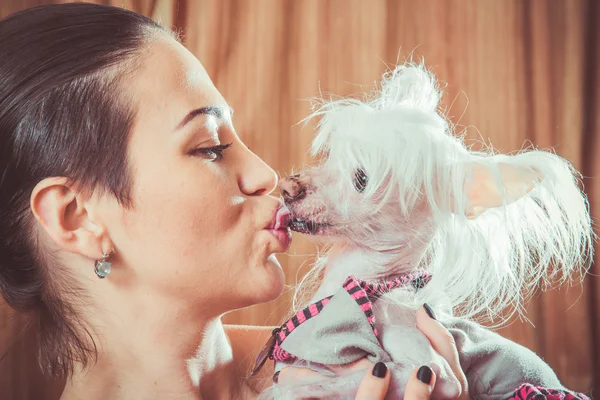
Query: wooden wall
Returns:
{"type": "Point", "coordinates": [516, 71]}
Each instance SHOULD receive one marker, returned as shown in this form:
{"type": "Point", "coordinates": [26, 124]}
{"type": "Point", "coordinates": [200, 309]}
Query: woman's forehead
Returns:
{"type": "Point", "coordinates": [172, 81]}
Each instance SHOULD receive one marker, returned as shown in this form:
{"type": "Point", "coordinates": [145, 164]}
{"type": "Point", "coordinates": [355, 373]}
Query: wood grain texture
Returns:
{"type": "Point", "coordinates": [591, 168]}
{"type": "Point", "coordinates": [516, 71]}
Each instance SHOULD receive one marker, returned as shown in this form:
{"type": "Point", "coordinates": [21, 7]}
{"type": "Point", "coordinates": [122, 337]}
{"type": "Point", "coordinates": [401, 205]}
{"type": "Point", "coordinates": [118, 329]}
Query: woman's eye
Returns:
{"type": "Point", "coordinates": [360, 180]}
{"type": "Point", "coordinates": [214, 153]}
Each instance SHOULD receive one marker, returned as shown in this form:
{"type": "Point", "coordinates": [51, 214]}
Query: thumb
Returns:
{"type": "Point", "coordinates": [374, 385]}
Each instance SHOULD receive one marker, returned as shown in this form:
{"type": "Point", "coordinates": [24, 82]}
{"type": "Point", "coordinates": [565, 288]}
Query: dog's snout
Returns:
{"type": "Point", "coordinates": [291, 189]}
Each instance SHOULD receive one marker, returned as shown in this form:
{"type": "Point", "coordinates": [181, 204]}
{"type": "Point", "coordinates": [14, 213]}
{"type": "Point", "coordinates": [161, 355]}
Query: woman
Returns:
{"type": "Point", "coordinates": [132, 216]}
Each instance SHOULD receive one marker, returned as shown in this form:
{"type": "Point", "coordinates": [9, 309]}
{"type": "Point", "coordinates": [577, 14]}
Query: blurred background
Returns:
{"type": "Point", "coordinates": [513, 71]}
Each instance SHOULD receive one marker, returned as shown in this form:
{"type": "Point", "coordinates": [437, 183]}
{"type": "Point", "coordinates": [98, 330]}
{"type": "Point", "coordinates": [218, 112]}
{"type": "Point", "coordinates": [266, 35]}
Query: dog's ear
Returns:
{"type": "Point", "coordinates": [486, 189]}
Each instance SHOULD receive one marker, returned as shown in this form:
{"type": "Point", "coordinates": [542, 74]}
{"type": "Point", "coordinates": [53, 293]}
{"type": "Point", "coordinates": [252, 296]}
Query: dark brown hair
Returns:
{"type": "Point", "coordinates": [63, 112]}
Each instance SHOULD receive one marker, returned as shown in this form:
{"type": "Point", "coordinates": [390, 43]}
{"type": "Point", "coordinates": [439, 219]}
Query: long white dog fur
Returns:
{"type": "Point", "coordinates": [490, 228]}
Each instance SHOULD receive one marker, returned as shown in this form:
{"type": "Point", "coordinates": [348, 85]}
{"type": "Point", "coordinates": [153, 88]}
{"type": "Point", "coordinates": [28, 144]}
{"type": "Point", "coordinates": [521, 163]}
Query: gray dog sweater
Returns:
{"type": "Point", "coordinates": [340, 329]}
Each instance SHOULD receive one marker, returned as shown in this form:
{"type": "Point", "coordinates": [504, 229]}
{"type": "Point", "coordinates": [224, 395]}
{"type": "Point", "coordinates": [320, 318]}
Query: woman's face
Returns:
{"type": "Point", "coordinates": [198, 227]}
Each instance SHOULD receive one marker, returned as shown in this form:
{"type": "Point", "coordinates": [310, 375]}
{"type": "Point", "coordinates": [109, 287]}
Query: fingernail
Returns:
{"type": "Point", "coordinates": [276, 377]}
{"type": "Point", "coordinates": [379, 370]}
{"type": "Point", "coordinates": [424, 374]}
{"type": "Point", "coordinates": [429, 311]}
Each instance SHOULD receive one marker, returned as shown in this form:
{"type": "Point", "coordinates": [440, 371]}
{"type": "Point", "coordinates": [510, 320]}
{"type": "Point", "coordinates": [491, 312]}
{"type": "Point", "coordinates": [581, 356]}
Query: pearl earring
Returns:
{"type": "Point", "coordinates": [102, 267]}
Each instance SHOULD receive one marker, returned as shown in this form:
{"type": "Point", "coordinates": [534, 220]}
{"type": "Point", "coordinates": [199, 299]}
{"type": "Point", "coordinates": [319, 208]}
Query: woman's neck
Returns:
{"type": "Point", "coordinates": [213, 369]}
{"type": "Point", "coordinates": [158, 354]}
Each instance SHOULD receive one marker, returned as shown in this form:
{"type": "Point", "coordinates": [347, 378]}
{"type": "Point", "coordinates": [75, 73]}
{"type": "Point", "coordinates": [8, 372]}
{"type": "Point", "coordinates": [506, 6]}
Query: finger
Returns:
{"type": "Point", "coordinates": [420, 384]}
{"type": "Point", "coordinates": [443, 343]}
{"type": "Point", "coordinates": [374, 385]}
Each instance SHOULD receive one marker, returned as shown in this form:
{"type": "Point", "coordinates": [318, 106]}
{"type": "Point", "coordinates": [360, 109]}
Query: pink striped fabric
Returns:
{"type": "Point", "coordinates": [362, 292]}
{"type": "Point", "coordinates": [527, 391]}
{"type": "Point", "coordinates": [359, 295]}
{"type": "Point", "coordinates": [278, 354]}
{"type": "Point", "coordinates": [417, 279]}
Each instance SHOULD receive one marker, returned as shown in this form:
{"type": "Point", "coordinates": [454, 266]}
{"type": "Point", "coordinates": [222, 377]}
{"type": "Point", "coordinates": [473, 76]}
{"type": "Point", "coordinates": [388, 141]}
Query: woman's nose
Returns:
{"type": "Point", "coordinates": [291, 188]}
{"type": "Point", "coordinates": [257, 177]}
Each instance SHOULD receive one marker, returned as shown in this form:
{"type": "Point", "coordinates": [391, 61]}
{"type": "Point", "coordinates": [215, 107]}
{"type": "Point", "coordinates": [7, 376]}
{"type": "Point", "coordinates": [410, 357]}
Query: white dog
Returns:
{"type": "Point", "coordinates": [417, 217]}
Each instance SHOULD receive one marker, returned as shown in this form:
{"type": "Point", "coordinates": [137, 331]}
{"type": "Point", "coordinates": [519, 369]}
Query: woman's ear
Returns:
{"type": "Point", "coordinates": [62, 213]}
{"type": "Point", "coordinates": [486, 190]}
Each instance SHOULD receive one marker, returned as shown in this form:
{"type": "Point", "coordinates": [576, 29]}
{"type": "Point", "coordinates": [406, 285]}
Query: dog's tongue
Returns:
{"type": "Point", "coordinates": [283, 218]}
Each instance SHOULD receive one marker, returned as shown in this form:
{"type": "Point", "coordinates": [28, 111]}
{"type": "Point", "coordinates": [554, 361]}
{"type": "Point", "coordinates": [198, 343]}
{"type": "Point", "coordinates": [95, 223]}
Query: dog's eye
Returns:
{"type": "Point", "coordinates": [360, 180]}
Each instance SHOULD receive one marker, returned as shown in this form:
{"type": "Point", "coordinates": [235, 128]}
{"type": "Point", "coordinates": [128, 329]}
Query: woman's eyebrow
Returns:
{"type": "Point", "coordinates": [215, 111]}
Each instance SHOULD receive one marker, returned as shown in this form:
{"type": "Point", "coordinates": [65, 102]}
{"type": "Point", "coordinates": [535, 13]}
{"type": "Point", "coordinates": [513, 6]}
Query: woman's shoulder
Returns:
{"type": "Point", "coordinates": [246, 343]}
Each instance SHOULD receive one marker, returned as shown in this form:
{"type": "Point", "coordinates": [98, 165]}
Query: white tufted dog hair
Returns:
{"type": "Point", "coordinates": [397, 190]}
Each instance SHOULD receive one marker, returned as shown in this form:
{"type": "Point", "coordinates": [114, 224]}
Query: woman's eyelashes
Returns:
{"type": "Point", "coordinates": [213, 153]}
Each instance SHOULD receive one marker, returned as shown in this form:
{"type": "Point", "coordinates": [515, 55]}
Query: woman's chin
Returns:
{"type": "Point", "coordinates": [270, 281]}
{"type": "Point", "coordinates": [261, 282]}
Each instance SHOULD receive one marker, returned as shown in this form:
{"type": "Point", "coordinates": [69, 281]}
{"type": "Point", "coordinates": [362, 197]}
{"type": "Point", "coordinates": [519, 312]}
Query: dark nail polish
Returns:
{"type": "Point", "coordinates": [424, 374]}
{"type": "Point", "coordinates": [379, 370]}
{"type": "Point", "coordinates": [429, 311]}
{"type": "Point", "coordinates": [276, 376]}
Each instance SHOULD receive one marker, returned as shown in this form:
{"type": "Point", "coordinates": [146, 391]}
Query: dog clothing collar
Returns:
{"type": "Point", "coordinates": [361, 292]}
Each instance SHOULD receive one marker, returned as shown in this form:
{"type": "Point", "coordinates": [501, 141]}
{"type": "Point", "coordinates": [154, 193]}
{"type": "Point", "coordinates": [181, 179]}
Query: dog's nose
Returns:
{"type": "Point", "coordinates": [291, 189]}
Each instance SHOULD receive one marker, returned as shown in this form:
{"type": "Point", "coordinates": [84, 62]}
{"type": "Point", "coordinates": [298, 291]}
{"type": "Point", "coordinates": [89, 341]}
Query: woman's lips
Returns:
{"type": "Point", "coordinates": [284, 236]}
{"type": "Point", "coordinates": [283, 218]}
{"type": "Point", "coordinates": [280, 227]}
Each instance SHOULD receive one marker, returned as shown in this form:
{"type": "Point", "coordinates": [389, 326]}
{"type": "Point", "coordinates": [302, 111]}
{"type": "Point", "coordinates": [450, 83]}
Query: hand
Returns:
{"type": "Point", "coordinates": [375, 384]}
{"type": "Point", "coordinates": [420, 385]}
